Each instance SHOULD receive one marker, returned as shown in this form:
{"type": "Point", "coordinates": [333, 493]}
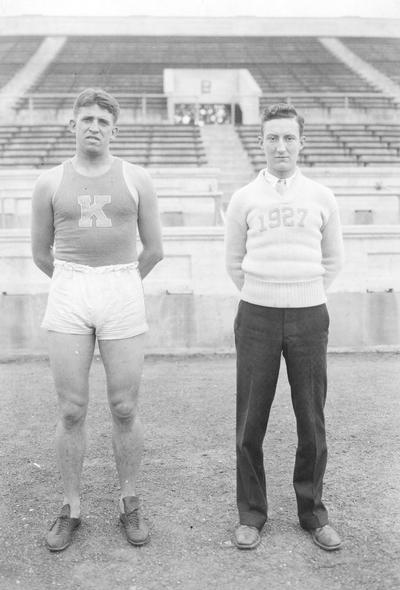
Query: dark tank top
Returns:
{"type": "Point", "coordinates": [95, 218]}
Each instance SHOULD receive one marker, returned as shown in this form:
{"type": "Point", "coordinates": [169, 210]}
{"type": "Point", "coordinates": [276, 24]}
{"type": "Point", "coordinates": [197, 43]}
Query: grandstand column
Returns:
{"type": "Point", "coordinates": [30, 109]}
{"type": "Point", "coordinates": [144, 108]}
{"type": "Point", "coordinates": [168, 89]}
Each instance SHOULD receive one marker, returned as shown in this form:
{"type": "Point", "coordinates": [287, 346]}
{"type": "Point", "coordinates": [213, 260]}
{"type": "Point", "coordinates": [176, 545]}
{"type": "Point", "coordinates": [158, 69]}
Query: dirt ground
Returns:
{"type": "Point", "coordinates": [188, 484]}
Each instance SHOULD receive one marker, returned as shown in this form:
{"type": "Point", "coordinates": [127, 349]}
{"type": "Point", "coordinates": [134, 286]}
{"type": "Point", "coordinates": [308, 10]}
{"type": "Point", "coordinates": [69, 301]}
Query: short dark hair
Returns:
{"type": "Point", "coordinates": [103, 99]}
{"type": "Point", "coordinates": [281, 110]}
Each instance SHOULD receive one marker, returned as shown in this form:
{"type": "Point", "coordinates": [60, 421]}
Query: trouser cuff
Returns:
{"type": "Point", "coordinates": [313, 522]}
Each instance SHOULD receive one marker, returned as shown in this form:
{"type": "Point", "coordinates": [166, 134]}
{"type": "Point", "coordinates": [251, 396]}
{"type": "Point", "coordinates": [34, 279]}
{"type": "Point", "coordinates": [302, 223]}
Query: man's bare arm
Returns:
{"type": "Point", "coordinates": [42, 225]}
{"type": "Point", "coordinates": [149, 224]}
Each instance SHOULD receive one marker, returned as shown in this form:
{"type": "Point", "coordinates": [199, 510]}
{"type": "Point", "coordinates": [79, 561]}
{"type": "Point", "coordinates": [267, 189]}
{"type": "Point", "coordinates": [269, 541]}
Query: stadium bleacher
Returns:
{"type": "Point", "coordinates": [337, 144]}
{"type": "Point", "coordinates": [42, 146]}
{"type": "Point", "coordinates": [383, 53]}
{"type": "Point", "coordinates": [283, 67]}
{"type": "Point", "coordinates": [301, 69]}
{"type": "Point", "coordinates": [14, 53]}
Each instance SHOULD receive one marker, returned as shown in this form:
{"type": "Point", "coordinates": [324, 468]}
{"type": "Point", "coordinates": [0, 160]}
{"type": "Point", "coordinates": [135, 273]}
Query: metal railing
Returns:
{"type": "Point", "coordinates": [148, 106]}
{"type": "Point", "coordinates": [15, 209]}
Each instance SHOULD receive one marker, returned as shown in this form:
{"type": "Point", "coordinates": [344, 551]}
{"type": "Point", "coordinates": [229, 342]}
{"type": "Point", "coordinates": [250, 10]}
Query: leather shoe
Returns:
{"type": "Point", "coordinates": [326, 537]}
{"type": "Point", "coordinates": [136, 529]}
{"type": "Point", "coordinates": [60, 533]}
{"type": "Point", "coordinates": [246, 537]}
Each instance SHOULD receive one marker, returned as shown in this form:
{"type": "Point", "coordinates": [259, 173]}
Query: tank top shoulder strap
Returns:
{"type": "Point", "coordinates": [68, 167]}
{"type": "Point", "coordinates": [130, 185]}
{"type": "Point", "coordinates": [62, 173]}
{"type": "Point", "coordinates": [116, 165]}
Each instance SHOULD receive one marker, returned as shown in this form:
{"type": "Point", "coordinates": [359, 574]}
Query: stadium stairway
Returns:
{"type": "Point", "coordinates": [28, 74]}
{"type": "Point", "coordinates": [362, 68]}
{"type": "Point", "coordinates": [225, 151]}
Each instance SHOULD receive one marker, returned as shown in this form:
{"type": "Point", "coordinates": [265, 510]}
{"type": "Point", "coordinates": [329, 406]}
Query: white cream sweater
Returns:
{"type": "Point", "coordinates": [283, 250]}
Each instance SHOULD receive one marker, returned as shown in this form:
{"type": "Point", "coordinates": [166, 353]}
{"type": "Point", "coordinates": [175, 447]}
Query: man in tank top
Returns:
{"type": "Point", "coordinates": [85, 214]}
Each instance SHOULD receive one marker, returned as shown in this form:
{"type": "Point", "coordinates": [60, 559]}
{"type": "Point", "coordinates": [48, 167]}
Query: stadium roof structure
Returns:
{"type": "Point", "coordinates": [237, 25]}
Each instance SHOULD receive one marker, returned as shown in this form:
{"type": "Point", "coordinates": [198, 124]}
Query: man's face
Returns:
{"type": "Point", "coordinates": [281, 143]}
{"type": "Point", "coordinates": [94, 128]}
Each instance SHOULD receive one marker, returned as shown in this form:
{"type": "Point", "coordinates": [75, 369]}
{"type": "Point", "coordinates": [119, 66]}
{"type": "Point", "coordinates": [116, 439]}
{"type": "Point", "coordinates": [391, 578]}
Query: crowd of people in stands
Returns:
{"type": "Point", "coordinates": [202, 114]}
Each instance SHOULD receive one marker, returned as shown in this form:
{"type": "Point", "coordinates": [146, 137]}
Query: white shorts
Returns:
{"type": "Point", "coordinates": [106, 301]}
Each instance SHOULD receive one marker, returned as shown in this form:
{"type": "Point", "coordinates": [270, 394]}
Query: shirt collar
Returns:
{"type": "Point", "coordinates": [272, 179]}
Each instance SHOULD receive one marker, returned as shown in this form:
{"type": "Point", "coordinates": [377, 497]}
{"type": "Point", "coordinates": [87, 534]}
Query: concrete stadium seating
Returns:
{"type": "Point", "coordinates": [284, 67]}
{"type": "Point", "coordinates": [41, 146]}
{"type": "Point", "coordinates": [336, 144]}
{"type": "Point", "coordinates": [383, 53]}
{"type": "Point", "coordinates": [14, 53]}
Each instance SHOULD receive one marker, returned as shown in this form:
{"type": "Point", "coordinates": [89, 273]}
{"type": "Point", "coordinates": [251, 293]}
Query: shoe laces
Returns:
{"type": "Point", "coordinates": [134, 518]}
{"type": "Point", "coordinates": [61, 524]}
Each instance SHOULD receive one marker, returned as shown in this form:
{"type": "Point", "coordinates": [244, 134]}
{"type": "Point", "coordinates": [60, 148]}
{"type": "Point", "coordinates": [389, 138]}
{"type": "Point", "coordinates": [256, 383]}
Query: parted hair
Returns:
{"type": "Point", "coordinates": [103, 99]}
{"type": "Point", "coordinates": [281, 110]}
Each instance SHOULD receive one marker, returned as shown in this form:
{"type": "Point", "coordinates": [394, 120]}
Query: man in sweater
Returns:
{"type": "Point", "coordinates": [283, 249]}
{"type": "Point", "coordinates": [85, 217]}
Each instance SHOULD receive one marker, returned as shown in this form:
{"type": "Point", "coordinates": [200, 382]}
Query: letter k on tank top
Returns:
{"type": "Point", "coordinates": [95, 218]}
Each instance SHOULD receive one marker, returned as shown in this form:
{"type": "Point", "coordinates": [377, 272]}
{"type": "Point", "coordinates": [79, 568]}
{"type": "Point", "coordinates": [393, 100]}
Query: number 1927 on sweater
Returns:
{"type": "Point", "coordinates": [282, 216]}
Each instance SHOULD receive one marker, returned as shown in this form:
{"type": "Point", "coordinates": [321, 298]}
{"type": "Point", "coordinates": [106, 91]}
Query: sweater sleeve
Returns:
{"type": "Point", "coordinates": [235, 242]}
{"type": "Point", "coordinates": [332, 248]}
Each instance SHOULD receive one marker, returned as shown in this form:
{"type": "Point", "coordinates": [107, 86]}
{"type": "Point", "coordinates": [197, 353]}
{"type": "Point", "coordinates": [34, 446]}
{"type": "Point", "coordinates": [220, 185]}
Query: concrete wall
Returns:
{"type": "Point", "coordinates": [199, 323]}
{"type": "Point", "coordinates": [191, 303]}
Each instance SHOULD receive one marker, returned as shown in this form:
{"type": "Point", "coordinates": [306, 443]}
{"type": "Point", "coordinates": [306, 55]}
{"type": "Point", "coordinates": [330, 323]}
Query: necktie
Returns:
{"type": "Point", "coordinates": [281, 186]}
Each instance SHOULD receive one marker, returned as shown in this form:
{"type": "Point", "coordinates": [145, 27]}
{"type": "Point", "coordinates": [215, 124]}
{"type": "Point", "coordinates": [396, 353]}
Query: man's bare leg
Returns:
{"type": "Point", "coordinates": [70, 358]}
{"type": "Point", "coordinates": [123, 362]}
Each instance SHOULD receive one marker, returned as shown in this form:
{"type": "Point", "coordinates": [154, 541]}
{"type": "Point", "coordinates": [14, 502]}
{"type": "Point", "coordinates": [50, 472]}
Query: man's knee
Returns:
{"type": "Point", "coordinates": [73, 413]}
{"type": "Point", "coordinates": [123, 410]}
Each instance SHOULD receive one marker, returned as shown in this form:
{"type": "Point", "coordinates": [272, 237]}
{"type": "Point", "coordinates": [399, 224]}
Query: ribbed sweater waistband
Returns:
{"type": "Point", "coordinates": [293, 294]}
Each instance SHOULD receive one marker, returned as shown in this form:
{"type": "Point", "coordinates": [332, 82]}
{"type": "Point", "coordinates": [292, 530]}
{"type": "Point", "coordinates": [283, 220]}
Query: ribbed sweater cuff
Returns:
{"type": "Point", "coordinates": [271, 294]}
